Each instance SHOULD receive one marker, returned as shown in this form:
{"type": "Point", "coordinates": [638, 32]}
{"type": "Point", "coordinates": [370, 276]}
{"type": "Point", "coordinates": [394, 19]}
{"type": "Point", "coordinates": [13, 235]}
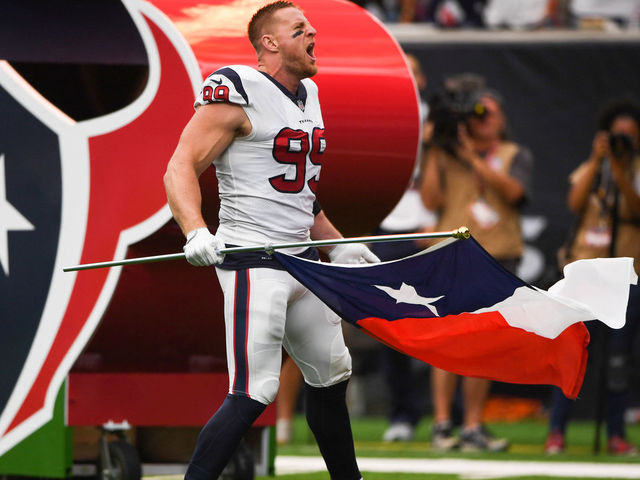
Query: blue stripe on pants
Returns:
{"type": "Point", "coordinates": [240, 331]}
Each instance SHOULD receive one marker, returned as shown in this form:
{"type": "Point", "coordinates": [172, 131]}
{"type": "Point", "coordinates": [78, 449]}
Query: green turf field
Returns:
{"type": "Point", "coordinates": [527, 439]}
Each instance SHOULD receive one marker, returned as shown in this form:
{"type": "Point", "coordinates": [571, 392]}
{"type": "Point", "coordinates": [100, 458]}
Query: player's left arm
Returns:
{"type": "Point", "coordinates": [323, 229]}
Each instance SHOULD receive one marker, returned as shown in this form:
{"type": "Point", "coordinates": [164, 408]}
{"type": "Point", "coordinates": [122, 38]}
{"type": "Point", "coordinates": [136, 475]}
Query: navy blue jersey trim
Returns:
{"type": "Point", "coordinates": [240, 329]}
{"type": "Point", "coordinates": [242, 261]}
{"type": "Point", "coordinates": [233, 76]}
{"type": "Point", "coordinates": [317, 208]}
{"type": "Point", "coordinates": [301, 93]}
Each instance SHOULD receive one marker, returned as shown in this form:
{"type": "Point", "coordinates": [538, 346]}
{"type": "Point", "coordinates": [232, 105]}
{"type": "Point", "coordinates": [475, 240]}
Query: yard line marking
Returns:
{"type": "Point", "coordinates": [468, 468]}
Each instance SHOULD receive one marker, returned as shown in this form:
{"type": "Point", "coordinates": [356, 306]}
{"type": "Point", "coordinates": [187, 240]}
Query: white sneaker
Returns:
{"type": "Point", "coordinates": [399, 432]}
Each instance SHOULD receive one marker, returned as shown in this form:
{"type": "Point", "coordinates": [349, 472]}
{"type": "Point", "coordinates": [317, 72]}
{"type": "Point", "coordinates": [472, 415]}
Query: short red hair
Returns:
{"type": "Point", "coordinates": [261, 18]}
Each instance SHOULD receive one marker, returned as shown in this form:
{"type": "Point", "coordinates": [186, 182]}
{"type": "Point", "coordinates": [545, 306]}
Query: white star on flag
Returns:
{"type": "Point", "coordinates": [407, 294]}
{"type": "Point", "coordinates": [10, 219]}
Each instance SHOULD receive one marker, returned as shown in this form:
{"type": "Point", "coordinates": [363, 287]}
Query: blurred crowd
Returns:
{"type": "Point", "coordinates": [471, 172]}
{"type": "Point", "coordinates": [510, 14]}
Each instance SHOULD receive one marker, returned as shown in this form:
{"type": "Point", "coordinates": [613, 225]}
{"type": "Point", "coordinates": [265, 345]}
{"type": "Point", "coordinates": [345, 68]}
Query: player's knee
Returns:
{"type": "Point", "coordinates": [337, 370]}
{"type": "Point", "coordinates": [341, 367]}
{"type": "Point", "coordinates": [261, 387]}
{"type": "Point", "coordinates": [265, 391]}
{"type": "Point", "coordinates": [340, 360]}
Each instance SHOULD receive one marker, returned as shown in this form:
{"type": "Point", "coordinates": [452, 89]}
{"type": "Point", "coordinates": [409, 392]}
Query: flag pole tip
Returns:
{"type": "Point", "coordinates": [462, 233]}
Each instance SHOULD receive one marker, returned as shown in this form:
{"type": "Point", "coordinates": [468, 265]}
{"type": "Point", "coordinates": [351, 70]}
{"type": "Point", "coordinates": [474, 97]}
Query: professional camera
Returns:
{"type": "Point", "coordinates": [452, 106]}
{"type": "Point", "coordinates": [621, 145]}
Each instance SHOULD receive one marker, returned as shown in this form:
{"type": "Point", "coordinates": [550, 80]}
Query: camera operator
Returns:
{"type": "Point", "coordinates": [475, 177]}
{"type": "Point", "coordinates": [606, 188]}
{"type": "Point", "coordinates": [605, 196]}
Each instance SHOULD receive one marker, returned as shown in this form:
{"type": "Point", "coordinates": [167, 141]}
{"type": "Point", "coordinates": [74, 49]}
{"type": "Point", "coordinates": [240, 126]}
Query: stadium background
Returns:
{"type": "Point", "coordinates": [553, 84]}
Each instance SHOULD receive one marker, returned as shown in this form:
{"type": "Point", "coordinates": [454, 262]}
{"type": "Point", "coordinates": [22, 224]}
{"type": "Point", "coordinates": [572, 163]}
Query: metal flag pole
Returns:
{"type": "Point", "coordinates": [460, 233]}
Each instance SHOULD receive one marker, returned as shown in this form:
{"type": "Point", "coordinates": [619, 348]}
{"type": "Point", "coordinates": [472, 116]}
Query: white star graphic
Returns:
{"type": "Point", "coordinates": [407, 294]}
{"type": "Point", "coordinates": [10, 219]}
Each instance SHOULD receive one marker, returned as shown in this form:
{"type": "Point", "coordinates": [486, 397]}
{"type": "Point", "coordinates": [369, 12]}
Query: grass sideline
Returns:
{"type": "Point", "coordinates": [527, 441]}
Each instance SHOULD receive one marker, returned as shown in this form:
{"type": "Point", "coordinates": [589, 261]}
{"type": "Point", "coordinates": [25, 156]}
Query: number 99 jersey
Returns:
{"type": "Point", "coordinates": [267, 180]}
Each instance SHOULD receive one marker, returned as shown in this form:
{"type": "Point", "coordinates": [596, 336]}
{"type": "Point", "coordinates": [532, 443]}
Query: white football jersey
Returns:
{"type": "Point", "coordinates": [267, 180]}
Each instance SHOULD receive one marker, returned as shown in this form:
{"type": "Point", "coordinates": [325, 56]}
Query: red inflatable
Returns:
{"type": "Point", "coordinates": [168, 317]}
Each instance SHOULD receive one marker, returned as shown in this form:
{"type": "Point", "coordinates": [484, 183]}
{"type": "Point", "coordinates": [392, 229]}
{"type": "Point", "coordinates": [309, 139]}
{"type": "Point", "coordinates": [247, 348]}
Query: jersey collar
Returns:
{"type": "Point", "coordinates": [300, 99]}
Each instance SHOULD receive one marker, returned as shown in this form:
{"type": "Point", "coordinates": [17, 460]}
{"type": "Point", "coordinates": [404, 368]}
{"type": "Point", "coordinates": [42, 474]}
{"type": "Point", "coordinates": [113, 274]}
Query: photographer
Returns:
{"type": "Point", "coordinates": [475, 177]}
{"type": "Point", "coordinates": [605, 196]}
{"type": "Point", "coordinates": [605, 188]}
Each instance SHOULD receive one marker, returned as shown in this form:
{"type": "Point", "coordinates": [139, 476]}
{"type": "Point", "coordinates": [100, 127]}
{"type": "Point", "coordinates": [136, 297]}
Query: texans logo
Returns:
{"type": "Point", "coordinates": [77, 192]}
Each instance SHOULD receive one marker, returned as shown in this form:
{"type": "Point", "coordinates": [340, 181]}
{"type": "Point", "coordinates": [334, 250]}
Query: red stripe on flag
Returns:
{"type": "Point", "coordinates": [484, 345]}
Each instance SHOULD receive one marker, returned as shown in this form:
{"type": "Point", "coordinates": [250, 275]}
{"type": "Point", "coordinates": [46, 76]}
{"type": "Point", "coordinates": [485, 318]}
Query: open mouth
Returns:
{"type": "Point", "coordinates": [310, 49]}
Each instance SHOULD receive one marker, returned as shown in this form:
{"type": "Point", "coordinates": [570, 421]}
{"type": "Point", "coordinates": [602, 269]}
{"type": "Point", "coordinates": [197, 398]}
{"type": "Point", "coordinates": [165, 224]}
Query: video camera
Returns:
{"type": "Point", "coordinates": [454, 104]}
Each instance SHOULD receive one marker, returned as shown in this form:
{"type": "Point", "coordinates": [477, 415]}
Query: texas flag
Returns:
{"type": "Point", "coordinates": [454, 307]}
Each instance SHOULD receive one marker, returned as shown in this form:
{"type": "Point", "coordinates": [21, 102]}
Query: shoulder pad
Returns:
{"type": "Point", "coordinates": [223, 85]}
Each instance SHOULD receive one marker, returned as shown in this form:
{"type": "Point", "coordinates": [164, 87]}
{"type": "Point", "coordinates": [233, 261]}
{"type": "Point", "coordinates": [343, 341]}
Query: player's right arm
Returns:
{"type": "Point", "coordinates": [209, 132]}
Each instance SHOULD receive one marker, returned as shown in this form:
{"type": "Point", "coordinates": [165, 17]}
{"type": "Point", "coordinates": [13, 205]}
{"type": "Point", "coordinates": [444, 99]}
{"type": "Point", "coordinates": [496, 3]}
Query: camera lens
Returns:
{"type": "Point", "coordinates": [620, 144]}
{"type": "Point", "coordinates": [479, 110]}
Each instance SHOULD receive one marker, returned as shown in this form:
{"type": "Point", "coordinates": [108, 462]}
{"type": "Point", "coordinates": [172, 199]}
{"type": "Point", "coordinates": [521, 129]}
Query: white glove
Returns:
{"type": "Point", "coordinates": [202, 248]}
{"type": "Point", "coordinates": [352, 253]}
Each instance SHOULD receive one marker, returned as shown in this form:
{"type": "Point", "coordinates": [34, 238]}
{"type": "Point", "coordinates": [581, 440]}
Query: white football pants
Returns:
{"type": "Point", "coordinates": [266, 309]}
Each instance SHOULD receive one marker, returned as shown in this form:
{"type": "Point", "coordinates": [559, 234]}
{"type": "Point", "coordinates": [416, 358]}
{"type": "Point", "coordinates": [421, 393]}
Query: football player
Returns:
{"type": "Point", "coordinates": [263, 130]}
